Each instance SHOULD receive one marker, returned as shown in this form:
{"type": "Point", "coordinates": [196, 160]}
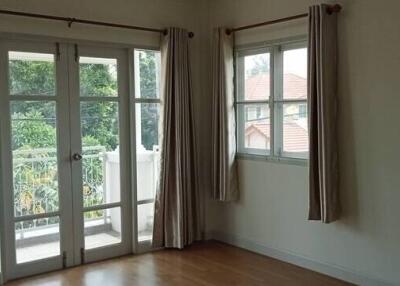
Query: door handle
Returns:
{"type": "Point", "coordinates": [77, 157]}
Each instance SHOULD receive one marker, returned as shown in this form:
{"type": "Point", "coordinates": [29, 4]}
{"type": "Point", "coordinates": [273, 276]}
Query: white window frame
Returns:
{"type": "Point", "coordinates": [275, 101]}
{"type": "Point", "coordinates": [240, 54]}
{"type": "Point", "coordinates": [144, 245]}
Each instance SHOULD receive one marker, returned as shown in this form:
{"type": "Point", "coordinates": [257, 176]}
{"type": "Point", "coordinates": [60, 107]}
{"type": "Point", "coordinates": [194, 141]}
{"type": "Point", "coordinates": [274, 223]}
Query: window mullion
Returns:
{"type": "Point", "coordinates": [239, 95]}
{"type": "Point", "coordinates": [277, 107]}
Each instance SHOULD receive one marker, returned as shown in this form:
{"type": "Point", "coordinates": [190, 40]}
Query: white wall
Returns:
{"type": "Point", "coordinates": [273, 207]}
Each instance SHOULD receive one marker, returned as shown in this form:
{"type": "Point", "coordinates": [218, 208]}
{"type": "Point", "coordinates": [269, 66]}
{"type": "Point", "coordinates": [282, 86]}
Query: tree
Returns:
{"type": "Point", "coordinates": [259, 64]}
{"type": "Point", "coordinates": [34, 133]}
{"type": "Point", "coordinates": [32, 77]}
{"type": "Point", "coordinates": [148, 89]}
{"type": "Point", "coordinates": [30, 130]}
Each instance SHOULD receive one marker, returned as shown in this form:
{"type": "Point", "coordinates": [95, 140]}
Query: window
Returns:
{"type": "Point", "coordinates": [271, 100]}
{"type": "Point", "coordinates": [147, 110]}
{"type": "Point", "coordinates": [303, 111]}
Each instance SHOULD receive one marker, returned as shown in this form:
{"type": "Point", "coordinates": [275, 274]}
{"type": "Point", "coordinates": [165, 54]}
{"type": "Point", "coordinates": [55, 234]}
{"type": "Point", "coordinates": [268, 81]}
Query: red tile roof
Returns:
{"type": "Point", "coordinates": [258, 87]}
{"type": "Point", "coordinates": [295, 137]}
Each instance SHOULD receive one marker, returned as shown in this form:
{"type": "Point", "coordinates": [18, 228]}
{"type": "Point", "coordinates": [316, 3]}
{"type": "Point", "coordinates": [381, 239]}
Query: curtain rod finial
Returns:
{"type": "Point", "coordinates": [191, 34]}
{"type": "Point", "coordinates": [228, 32]}
{"type": "Point", "coordinates": [334, 8]}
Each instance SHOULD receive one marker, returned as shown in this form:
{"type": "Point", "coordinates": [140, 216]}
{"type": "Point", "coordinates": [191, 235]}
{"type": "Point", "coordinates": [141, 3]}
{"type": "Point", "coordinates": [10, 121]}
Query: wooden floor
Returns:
{"type": "Point", "coordinates": [209, 263]}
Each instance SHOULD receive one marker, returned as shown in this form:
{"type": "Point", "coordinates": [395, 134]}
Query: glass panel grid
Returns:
{"type": "Point", "coordinates": [256, 81]}
{"type": "Point", "coordinates": [147, 74]}
{"type": "Point", "coordinates": [101, 154]}
{"type": "Point", "coordinates": [295, 74]}
{"type": "Point", "coordinates": [102, 228]}
{"type": "Point", "coordinates": [31, 74]}
{"type": "Point", "coordinates": [98, 77]}
{"type": "Point", "coordinates": [34, 151]}
{"type": "Point", "coordinates": [290, 138]}
{"type": "Point", "coordinates": [145, 221]}
{"type": "Point", "coordinates": [295, 128]}
{"type": "Point", "coordinates": [147, 149]}
{"type": "Point", "coordinates": [37, 239]}
{"type": "Point", "coordinates": [254, 127]}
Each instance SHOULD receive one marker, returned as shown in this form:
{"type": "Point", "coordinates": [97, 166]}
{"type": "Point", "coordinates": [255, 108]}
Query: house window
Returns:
{"type": "Point", "coordinates": [303, 111]}
{"type": "Point", "coordinates": [271, 100]}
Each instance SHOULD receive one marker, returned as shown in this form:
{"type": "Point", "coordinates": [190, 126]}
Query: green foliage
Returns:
{"type": "Point", "coordinates": [148, 89]}
{"type": "Point", "coordinates": [35, 181]}
{"type": "Point", "coordinates": [150, 119]}
{"type": "Point", "coordinates": [34, 135]}
{"type": "Point", "coordinates": [147, 66]}
{"type": "Point", "coordinates": [97, 80]}
{"type": "Point", "coordinates": [30, 130]}
{"type": "Point", "coordinates": [32, 77]}
{"type": "Point", "coordinates": [100, 121]}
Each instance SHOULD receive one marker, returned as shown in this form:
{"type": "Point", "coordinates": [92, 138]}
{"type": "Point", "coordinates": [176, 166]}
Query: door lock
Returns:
{"type": "Point", "coordinates": [77, 157]}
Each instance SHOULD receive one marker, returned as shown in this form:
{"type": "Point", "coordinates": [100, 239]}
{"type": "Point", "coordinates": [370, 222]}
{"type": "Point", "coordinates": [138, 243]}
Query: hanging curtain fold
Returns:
{"type": "Point", "coordinates": [322, 97]}
{"type": "Point", "coordinates": [177, 209]}
{"type": "Point", "coordinates": [224, 166]}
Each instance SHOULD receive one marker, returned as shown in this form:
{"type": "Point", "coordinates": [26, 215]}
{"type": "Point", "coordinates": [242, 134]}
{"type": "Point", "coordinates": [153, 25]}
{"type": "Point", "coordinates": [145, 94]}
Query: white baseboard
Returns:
{"type": "Point", "coordinates": [305, 262]}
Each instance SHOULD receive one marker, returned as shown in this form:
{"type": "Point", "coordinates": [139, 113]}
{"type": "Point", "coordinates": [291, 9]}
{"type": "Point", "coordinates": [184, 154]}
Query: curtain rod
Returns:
{"type": "Point", "coordinates": [70, 21]}
{"type": "Point", "coordinates": [331, 9]}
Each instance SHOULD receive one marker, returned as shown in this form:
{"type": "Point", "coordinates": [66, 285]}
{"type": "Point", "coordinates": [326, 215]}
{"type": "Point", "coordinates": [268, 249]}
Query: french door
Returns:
{"type": "Point", "coordinates": [65, 155]}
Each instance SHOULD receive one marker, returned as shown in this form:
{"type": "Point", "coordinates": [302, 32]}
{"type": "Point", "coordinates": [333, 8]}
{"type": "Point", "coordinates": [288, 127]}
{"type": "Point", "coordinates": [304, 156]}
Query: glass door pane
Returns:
{"type": "Point", "coordinates": [148, 130]}
{"type": "Point", "coordinates": [34, 149]}
{"type": "Point", "coordinates": [34, 156]}
{"type": "Point", "coordinates": [32, 74]}
{"type": "Point", "coordinates": [57, 205]}
{"type": "Point", "coordinates": [100, 151]}
{"type": "Point", "coordinates": [100, 141]}
{"type": "Point", "coordinates": [102, 227]}
{"type": "Point", "coordinates": [37, 239]}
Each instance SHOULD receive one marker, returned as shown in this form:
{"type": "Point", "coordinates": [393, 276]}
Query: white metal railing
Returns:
{"type": "Point", "coordinates": [36, 183]}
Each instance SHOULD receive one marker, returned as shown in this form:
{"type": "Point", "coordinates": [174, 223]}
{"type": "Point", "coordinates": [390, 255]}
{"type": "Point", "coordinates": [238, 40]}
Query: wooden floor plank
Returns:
{"type": "Point", "coordinates": [203, 264]}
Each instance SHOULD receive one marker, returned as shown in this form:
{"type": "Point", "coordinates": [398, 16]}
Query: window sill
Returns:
{"type": "Point", "coordinates": [273, 159]}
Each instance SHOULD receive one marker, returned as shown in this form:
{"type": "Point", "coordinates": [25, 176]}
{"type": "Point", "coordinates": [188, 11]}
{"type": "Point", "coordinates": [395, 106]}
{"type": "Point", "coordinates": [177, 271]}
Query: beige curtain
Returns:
{"type": "Point", "coordinates": [224, 165]}
{"type": "Point", "coordinates": [322, 57]}
{"type": "Point", "coordinates": [177, 218]}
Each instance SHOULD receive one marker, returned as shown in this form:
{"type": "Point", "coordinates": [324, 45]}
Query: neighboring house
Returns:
{"type": "Point", "coordinates": [295, 131]}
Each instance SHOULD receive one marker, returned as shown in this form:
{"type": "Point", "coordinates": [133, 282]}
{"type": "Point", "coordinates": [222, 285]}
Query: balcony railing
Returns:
{"type": "Point", "coordinates": [36, 186]}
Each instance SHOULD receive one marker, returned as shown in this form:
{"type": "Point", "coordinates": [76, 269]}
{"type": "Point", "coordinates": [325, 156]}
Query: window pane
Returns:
{"type": "Point", "coordinates": [102, 227]}
{"type": "Point", "coordinates": [254, 126]}
{"type": "Point", "coordinates": [147, 73]}
{"type": "Point", "coordinates": [100, 150]}
{"type": "Point", "coordinates": [34, 151]}
{"type": "Point", "coordinates": [37, 239]}
{"type": "Point", "coordinates": [98, 77]}
{"type": "Point", "coordinates": [147, 149]}
{"type": "Point", "coordinates": [145, 221]}
{"type": "Point", "coordinates": [256, 77]}
{"type": "Point", "coordinates": [31, 73]}
{"type": "Point", "coordinates": [295, 128]}
{"type": "Point", "coordinates": [295, 74]}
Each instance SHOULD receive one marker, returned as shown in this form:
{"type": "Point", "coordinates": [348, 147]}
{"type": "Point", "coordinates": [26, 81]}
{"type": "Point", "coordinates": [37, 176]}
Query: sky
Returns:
{"type": "Point", "coordinates": [294, 61]}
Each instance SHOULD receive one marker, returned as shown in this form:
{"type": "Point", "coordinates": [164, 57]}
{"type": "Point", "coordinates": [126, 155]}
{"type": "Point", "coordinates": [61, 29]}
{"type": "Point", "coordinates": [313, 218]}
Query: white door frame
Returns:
{"type": "Point", "coordinates": [125, 246]}
{"type": "Point", "coordinates": [12, 270]}
{"type": "Point", "coordinates": [65, 121]}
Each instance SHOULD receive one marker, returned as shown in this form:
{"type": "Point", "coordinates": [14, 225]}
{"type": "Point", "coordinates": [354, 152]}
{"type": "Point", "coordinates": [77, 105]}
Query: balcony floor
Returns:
{"type": "Point", "coordinates": [47, 249]}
